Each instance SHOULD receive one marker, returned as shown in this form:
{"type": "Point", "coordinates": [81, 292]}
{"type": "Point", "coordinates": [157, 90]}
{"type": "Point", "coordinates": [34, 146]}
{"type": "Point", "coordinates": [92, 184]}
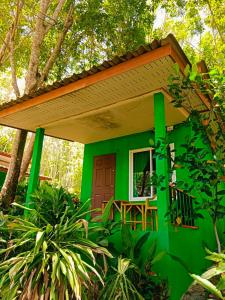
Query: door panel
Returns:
{"type": "Point", "coordinates": [103, 187]}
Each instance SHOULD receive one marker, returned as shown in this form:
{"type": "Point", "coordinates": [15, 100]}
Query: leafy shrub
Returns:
{"type": "Point", "coordinates": [130, 274]}
{"type": "Point", "coordinates": [47, 256]}
{"type": "Point", "coordinates": [213, 280]}
{"type": "Point", "coordinates": [118, 284]}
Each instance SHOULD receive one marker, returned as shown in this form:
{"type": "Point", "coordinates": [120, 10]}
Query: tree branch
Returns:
{"type": "Point", "coordinates": [13, 69]}
{"type": "Point", "coordinates": [51, 60]}
{"type": "Point", "coordinates": [55, 15]}
{"type": "Point", "coordinates": [5, 45]}
{"type": "Point", "coordinates": [12, 47]}
{"type": "Point", "coordinates": [11, 32]}
{"type": "Point", "coordinates": [39, 34]}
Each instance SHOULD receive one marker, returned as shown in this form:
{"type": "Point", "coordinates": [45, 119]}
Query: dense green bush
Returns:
{"type": "Point", "coordinates": [48, 254]}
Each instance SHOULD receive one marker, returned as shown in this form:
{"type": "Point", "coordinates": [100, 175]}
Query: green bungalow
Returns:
{"type": "Point", "coordinates": [117, 110]}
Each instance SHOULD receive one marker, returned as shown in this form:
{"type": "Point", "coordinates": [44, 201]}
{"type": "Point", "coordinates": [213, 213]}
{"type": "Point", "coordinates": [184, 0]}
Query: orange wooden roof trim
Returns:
{"type": "Point", "coordinates": [82, 83]}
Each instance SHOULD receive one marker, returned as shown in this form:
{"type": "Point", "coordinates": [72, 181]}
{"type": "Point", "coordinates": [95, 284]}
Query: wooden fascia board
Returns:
{"type": "Point", "coordinates": [182, 64]}
{"type": "Point", "coordinates": [178, 59]}
{"type": "Point", "coordinates": [82, 83]}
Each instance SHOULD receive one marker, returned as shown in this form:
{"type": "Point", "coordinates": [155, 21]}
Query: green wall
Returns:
{"type": "Point", "coordinates": [119, 146]}
{"type": "Point", "coordinates": [185, 243]}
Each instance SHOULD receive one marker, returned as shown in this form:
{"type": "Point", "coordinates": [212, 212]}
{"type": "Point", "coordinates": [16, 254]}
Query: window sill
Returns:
{"type": "Point", "coordinates": [186, 226]}
{"type": "Point", "coordinates": [191, 227]}
{"type": "Point", "coordinates": [142, 200]}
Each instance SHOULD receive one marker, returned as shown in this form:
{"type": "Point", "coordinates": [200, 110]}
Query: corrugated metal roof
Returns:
{"type": "Point", "coordinates": [170, 39]}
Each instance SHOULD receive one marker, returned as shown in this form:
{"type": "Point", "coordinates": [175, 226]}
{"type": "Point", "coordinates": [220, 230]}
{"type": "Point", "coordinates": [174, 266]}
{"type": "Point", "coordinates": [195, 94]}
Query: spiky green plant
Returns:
{"type": "Point", "coordinates": [118, 285]}
{"type": "Point", "coordinates": [48, 261]}
{"type": "Point", "coordinates": [217, 287]}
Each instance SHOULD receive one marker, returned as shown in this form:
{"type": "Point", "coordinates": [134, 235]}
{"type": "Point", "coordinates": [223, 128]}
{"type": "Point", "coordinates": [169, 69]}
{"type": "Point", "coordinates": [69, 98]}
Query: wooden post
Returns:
{"type": "Point", "coordinates": [161, 168]}
{"type": "Point", "coordinates": [35, 166]}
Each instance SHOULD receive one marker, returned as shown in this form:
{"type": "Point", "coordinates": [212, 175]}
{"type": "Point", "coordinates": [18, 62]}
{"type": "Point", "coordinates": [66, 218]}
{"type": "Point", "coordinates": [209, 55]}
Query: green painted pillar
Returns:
{"type": "Point", "coordinates": [35, 166]}
{"type": "Point", "coordinates": [162, 169]}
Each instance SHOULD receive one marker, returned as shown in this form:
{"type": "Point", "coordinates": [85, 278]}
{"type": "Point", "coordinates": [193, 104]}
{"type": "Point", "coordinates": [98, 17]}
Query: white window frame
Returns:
{"type": "Point", "coordinates": [131, 169]}
{"type": "Point", "coordinates": [174, 175]}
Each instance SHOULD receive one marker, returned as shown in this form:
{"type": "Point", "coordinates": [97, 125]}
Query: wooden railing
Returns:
{"type": "Point", "coordinates": [181, 208]}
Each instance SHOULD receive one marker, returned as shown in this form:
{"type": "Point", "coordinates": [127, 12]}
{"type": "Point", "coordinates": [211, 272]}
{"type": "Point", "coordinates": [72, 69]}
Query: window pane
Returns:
{"type": "Point", "coordinates": [141, 174]}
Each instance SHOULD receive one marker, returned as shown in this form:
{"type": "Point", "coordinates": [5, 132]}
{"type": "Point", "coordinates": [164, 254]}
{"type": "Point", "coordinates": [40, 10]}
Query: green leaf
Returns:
{"type": "Point", "coordinates": [151, 251]}
{"type": "Point", "coordinates": [63, 267]}
{"type": "Point", "coordinates": [207, 285]}
{"type": "Point", "coordinates": [107, 211]}
{"type": "Point", "coordinates": [180, 261]}
{"type": "Point", "coordinates": [176, 68]}
{"type": "Point", "coordinates": [140, 243]}
{"type": "Point", "coordinates": [193, 75]}
{"type": "Point", "coordinates": [55, 260]}
{"type": "Point", "coordinates": [214, 271]}
{"type": "Point", "coordinates": [221, 283]}
{"type": "Point", "coordinates": [158, 257]}
{"type": "Point", "coordinates": [22, 206]}
{"type": "Point", "coordinates": [127, 239]}
{"type": "Point", "coordinates": [39, 241]}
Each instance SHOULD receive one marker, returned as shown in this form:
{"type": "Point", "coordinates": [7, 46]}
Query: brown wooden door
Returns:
{"type": "Point", "coordinates": [103, 180]}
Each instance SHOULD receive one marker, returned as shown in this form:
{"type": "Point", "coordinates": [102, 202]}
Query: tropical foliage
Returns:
{"type": "Point", "coordinates": [217, 272]}
{"type": "Point", "coordinates": [203, 153]}
{"type": "Point", "coordinates": [47, 257]}
{"type": "Point", "coordinates": [203, 158]}
{"type": "Point", "coordinates": [55, 253]}
{"type": "Point", "coordinates": [130, 274]}
{"type": "Point", "coordinates": [118, 285]}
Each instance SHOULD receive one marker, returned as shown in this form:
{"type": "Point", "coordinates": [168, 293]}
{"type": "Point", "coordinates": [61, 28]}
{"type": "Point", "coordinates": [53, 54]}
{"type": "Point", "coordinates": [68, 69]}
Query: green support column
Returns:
{"type": "Point", "coordinates": [161, 169]}
{"type": "Point", "coordinates": [35, 166]}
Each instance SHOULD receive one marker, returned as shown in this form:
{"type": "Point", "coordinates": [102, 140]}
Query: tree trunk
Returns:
{"type": "Point", "coordinates": [32, 82]}
{"type": "Point", "coordinates": [27, 157]}
{"type": "Point", "coordinates": [8, 191]}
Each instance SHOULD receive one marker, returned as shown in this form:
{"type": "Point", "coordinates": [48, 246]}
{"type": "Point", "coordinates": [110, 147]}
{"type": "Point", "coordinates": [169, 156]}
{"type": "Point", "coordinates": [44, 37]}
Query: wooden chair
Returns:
{"type": "Point", "coordinates": [152, 212]}
{"type": "Point", "coordinates": [133, 214]}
